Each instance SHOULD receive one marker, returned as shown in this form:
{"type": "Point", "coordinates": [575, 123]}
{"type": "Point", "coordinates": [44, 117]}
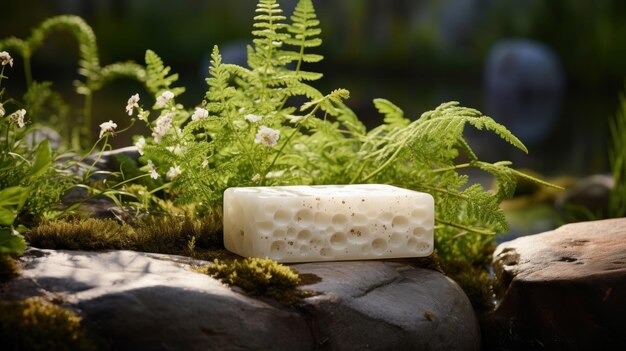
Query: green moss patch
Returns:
{"type": "Point", "coordinates": [198, 238]}
{"type": "Point", "coordinates": [8, 268]}
{"type": "Point", "coordinates": [34, 324]}
{"type": "Point", "coordinates": [259, 277]}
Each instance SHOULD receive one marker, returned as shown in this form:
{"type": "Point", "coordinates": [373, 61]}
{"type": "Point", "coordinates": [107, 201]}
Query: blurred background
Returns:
{"type": "Point", "coordinates": [551, 71]}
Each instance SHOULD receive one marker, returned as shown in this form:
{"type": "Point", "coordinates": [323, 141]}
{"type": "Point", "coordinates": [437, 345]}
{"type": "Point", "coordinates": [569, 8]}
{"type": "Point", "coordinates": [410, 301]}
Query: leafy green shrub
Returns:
{"type": "Point", "coordinates": [34, 324]}
{"type": "Point", "coordinates": [258, 276]}
{"type": "Point", "coordinates": [254, 129]}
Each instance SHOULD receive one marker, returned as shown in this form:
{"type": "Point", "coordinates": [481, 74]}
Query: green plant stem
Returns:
{"type": "Point", "coordinates": [27, 70]}
{"type": "Point", "coordinates": [282, 147]}
{"type": "Point", "coordinates": [104, 147]}
{"type": "Point", "coordinates": [87, 116]}
{"type": "Point", "coordinates": [386, 163]}
{"type": "Point", "coordinates": [467, 228]}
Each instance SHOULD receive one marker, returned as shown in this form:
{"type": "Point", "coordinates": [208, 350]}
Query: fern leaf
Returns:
{"type": "Point", "coordinates": [158, 78]}
{"type": "Point", "coordinates": [394, 116]}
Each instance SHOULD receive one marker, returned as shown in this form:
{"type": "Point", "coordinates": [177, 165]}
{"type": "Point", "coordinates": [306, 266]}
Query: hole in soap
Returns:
{"type": "Point", "coordinates": [279, 233]}
{"type": "Point", "coordinates": [303, 217]}
{"type": "Point", "coordinates": [304, 235]}
{"type": "Point", "coordinates": [385, 217]}
{"type": "Point", "coordinates": [358, 235]}
{"type": "Point", "coordinates": [396, 240]}
{"type": "Point", "coordinates": [265, 226]}
{"type": "Point", "coordinates": [379, 246]}
{"type": "Point", "coordinates": [412, 244]}
{"type": "Point", "coordinates": [418, 213]}
{"type": "Point", "coordinates": [400, 223]}
{"type": "Point", "coordinates": [277, 249]}
{"type": "Point", "coordinates": [322, 220]}
{"type": "Point", "coordinates": [304, 249]}
{"type": "Point", "coordinates": [359, 219]}
{"type": "Point", "coordinates": [423, 246]}
{"type": "Point", "coordinates": [316, 243]}
{"type": "Point", "coordinates": [282, 216]}
{"type": "Point", "coordinates": [325, 252]}
{"type": "Point", "coordinates": [419, 231]}
{"type": "Point", "coordinates": [339, 220]}
{"type": "Point", "coordinates": [338, 241]}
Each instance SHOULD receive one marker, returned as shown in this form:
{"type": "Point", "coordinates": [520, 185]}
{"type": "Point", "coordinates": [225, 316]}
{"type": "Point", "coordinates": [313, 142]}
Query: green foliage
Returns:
{"type": "Point", "coordinates": [95, 76]}
{"type": "Point", "coordinates": [34, 324]}
{"type": "Point", "coordinates": [617, 159]}
{"type": "Point", "coordinates": [265, 125]}
{"type": "Point", "coordinates": [157, 75]}
{"type": "Point", "coordinates": [258, 276]}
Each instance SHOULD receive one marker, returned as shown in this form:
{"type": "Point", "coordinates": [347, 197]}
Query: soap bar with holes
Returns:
{"type": "Point", "coordinates": [328, 222]}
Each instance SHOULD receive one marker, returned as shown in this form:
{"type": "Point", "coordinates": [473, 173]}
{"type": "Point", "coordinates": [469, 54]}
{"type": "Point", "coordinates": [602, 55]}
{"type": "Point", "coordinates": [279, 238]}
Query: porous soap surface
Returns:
{"type": "Point", "coordinates": [328, 222]}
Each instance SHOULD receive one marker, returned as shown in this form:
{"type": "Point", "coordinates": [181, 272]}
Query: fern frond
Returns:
{"type": "Point", "coordinates": [89, 63]}
{"type": "Point", "coordinates": [305, 31]}
{"type": "Point", "coordinates": [158, 78]}
{"type": "Point", "coordinates": [119, 70]}
{"type": "Point", "coordinates": [394, 116]}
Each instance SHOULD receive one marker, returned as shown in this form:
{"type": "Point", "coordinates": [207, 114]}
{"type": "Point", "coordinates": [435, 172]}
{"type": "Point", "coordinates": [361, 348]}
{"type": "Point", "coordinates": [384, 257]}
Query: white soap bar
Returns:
{"type": "Point", "coordinates": [328, 222]}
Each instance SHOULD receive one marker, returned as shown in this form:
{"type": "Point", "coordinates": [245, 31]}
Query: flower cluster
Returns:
{"type": "Point", "coordinates": [140, 144]}
{"type": "Point", "coordinates": [107, 127]}
{"type": "Point", "coordinates": [6, 59]}
{"type": "Point", "coordinates": [163, 125]}
{"type": "Point", "coordinates": [200, 113]}
{"type": "Point", "coordinates": [132, 103]}
{"type": "Point", "coordinates": [173, 172]}
{"type": "Point", "coordinates": [252, 118]}
{"type": "Point", "coordinates": [164, 99]}
{"type": "Point", "coordinates": [17, 118]}
{"type": "Point", "coordinates": [267, 136]}
{"type": "Point", "coordinates": [152, 170]}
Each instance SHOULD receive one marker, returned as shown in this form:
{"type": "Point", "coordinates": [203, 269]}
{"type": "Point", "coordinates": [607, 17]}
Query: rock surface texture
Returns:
{"type": "Point", "coordinates": [138, 301]}
{"type": "Point", "coordinates": [563, 290]}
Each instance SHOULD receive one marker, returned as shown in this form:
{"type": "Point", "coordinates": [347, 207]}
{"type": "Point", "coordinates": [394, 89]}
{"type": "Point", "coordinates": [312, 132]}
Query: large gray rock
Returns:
{"type": "Point", "coordinates": [563, 289]}
{"type": "Point", "coordinates": [378, 305]}
{"type": "Point", "coordinates": [139, 301]}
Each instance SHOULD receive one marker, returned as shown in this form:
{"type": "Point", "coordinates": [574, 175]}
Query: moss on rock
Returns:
{"type": "Point", "coordinates": [8, 268]}
{"type": "Point", "coordinates": [259, 277]}
{"type": "Point", "coordinates": [34, 324]}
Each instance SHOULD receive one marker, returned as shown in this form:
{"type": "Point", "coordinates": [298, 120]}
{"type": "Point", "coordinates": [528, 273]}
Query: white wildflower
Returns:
{"type": "Point", "coordinates": [256, 178]}
{"type": "Point", "coordinates": [152, 170]}
{"type": "Point", "coordinates": [6, 59]}
{"type": "Point", "coordinates": [205, 163]}
{"type": "Point", "coordinates": [252, 118]}
{"type": "Point", "coordinates": [173, 172]}
{"type": "Point", "coordinates": [133, 102]}
{"type": "Point", "coordinates": [267, 136]}
{"type": "Point", "coordinates": [177, 149]}
{"type": "Point", "coordinates": [140, 144]}
{"type": "Point", "coordinates": [275, 174]}
{"type": "Point", "coordinates": [164, 99]}
{"type": "Point", "coordinates": [17, 117]}
{"type": "Point", "coordinates": [2, 111]}
{"type": "Point", "coordinates": [163, 125]}
{"type": "Point", "coordinates": [107, 127]}
{"type": "Point", "coordinates": [199, 114]}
